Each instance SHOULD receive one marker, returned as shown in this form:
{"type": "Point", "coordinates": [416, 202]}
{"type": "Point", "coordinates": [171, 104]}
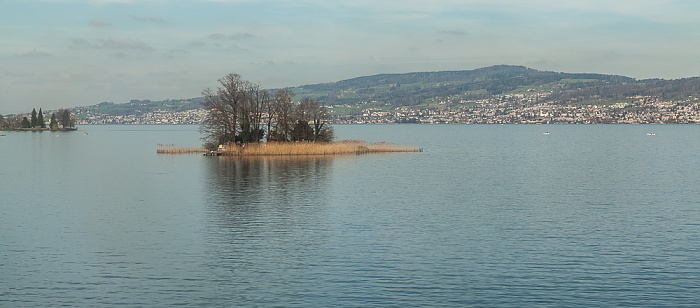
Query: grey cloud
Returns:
{"type": "Point", "coordinates": [237, 36]}
{"type": "Point", "coordinates": [235, 48]}
{"type": "Point", "coordinates": [165, 73]}
{"type": "Point", "coordinates": [175, 52]}
{"type": "Point", "coordinates": [148, 19]}
{"type": "Point", "coordinates": [99, 23]}
{"type": "Point", "coordinates": [217, 36]}
{"type": "Point", "coordinates": [197, 43]}
{"type": "Point", "coordinates": [119, 55]}
{"type": "Point", "coordinates": [126, 44]}
{"type": "Point", "coordinates": [455, 32]}
{"type": "Point", "coordinates": [80, 43]}
{"type": "Point", "coordinates": [36, 54]}
{"type": "Point", "coordinates": [241, 35]}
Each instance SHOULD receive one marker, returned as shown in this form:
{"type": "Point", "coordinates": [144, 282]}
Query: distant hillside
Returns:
{"type": "Point", "coordinates": [428, 88]}
{"type": "Point", "coordinates": [423, 88]}
{"type": "Point", "coordinates": [137, 107]}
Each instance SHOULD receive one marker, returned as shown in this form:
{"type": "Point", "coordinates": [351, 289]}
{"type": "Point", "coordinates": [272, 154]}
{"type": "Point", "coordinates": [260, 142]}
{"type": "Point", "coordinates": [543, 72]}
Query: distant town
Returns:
{"type": "Point", "coordinates": [158, 117]}
{"type": "Point", "coordinates": [500, 94]}
{"type": "Point", "coordinates": [531, 108]}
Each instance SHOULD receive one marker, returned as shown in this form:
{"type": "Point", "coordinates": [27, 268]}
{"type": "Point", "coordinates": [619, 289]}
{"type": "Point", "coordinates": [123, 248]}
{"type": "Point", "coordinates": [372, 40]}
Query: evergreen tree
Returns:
{"type": "Point", "coordinates": [302, 131]}
{"type": "Point", "coordinates": [25, 123]}
{"type": "Point", "coordinates": [65, 119]}
{"type": "Point", "coordinates": [34, 119]}
{"type": "Point", "coordinates": [54, 123]}
{"type": "Point", "coordinates": [40, 119]}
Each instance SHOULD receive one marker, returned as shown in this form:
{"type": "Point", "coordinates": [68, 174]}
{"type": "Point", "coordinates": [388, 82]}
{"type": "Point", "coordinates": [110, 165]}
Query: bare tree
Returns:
{"type": "Point", "coordinates": [219, 123]}
{"type": "Point", "coordinates": [282, 118]}
{"type": "Point", "coordinates": [15, 121]}
{"type": "Point", "coordinates": [259, 100]}
{"type": "Point", "coordinates": [237, 111]}
{"type": "Point", "coordinates": [311, 122]}
{"type": "Point", "coordinates": [319, 117]}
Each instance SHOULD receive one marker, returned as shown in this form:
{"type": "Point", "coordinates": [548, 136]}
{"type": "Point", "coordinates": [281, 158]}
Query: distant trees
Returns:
{"type": "Point", "coordinates": [26, 123]}
{"type": "Point", "coordinates": [310, 122]}
{"type": "Point", "coordinates": [13, 121]}
{"type": "Point", "coordinates": [241, 111]}
{"type": "Point", "coordinates": [35, 120]}
{"type": "Point", "coordinates": [65, 118]}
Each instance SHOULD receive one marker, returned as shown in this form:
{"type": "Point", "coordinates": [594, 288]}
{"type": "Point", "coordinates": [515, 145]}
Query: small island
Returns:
{"type": "Point", "coordinates": [62, 120]}
{"type": "Point", "coordinates": [245, 120]}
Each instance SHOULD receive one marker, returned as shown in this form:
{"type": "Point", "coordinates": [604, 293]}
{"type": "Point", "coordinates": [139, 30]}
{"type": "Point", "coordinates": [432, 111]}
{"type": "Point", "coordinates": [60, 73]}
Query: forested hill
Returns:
{"type": "Point", "coordinates": [421, 88]}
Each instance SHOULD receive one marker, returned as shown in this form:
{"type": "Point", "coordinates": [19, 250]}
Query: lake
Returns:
{"type": "Point", "coordinates": [485, 216]}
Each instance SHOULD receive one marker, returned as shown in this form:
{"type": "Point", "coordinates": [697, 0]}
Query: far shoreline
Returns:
{"type": "Point", "coordinates": [38, 129]}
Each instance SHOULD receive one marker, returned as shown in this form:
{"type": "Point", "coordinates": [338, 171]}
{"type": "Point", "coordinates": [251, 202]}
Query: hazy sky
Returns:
{"type": "Point", "coordinates": [65, 53]}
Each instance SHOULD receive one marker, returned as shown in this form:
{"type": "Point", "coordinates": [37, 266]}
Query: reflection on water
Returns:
{"type": "Point", "coordinates": [247, 184]}
{"type": "Point", "coordinates": [265, 190]}
{"type": "Point", "coordinates": [266, 216]}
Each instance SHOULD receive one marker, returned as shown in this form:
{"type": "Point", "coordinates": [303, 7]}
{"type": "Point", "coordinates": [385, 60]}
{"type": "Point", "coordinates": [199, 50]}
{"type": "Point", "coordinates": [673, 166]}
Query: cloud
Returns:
{"type": "Point", "coordinates": [99, 23]}
{"type": "Point", "coordinates": [126, 44]}
{"type": "Point", "coordinates": [236, 36]}
{"type": "Point", "coordinates": [235, 47]}
{"type": "Point", "coordinates": [119, 55]}
{"type": "Point", "coordinates": [80, 43]}
{"type": "Point", "coordinates": [241, 35]}
{"type": "Point", "coordinates": [197, 43]}
{"type": "Point", "coordinates": [148, 19]}
{"type": "Point", "coordinates": [217, 36]}
{"type": "Point", "coordinates": [454, 32]}
{"type": "Point", "coordinates": [36, 54]}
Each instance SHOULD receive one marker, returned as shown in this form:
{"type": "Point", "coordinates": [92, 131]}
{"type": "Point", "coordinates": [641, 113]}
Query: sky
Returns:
{"type": "Point", "coordinates": [66, 53]}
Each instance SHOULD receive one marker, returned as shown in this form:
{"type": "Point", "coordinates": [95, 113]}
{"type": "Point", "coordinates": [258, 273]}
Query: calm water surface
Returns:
{"type": "Point", "coordinates": [486, 216]}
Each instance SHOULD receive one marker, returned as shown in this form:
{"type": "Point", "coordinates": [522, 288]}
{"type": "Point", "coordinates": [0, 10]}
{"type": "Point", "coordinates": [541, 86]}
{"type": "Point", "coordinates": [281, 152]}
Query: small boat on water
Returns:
{"type": "Point", "coordinates": [651, 134]}
{"type": "Point", "coordinates": [545, 133]}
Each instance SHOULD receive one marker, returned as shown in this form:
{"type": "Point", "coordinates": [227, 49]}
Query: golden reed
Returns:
{"type": "Point", "coordinates": [173, 149]}
{"type": "Point", "coordinates": [294, 148]}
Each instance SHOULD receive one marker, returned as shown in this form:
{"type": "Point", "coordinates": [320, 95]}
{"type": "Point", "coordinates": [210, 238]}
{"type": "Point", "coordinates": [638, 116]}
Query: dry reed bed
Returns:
{"type": "Point", "coordinates": [312, 148]}
{"type": "Point", "coordinates": [173, 149]}
{"type": "Point", "coordinates": [296, 148]}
